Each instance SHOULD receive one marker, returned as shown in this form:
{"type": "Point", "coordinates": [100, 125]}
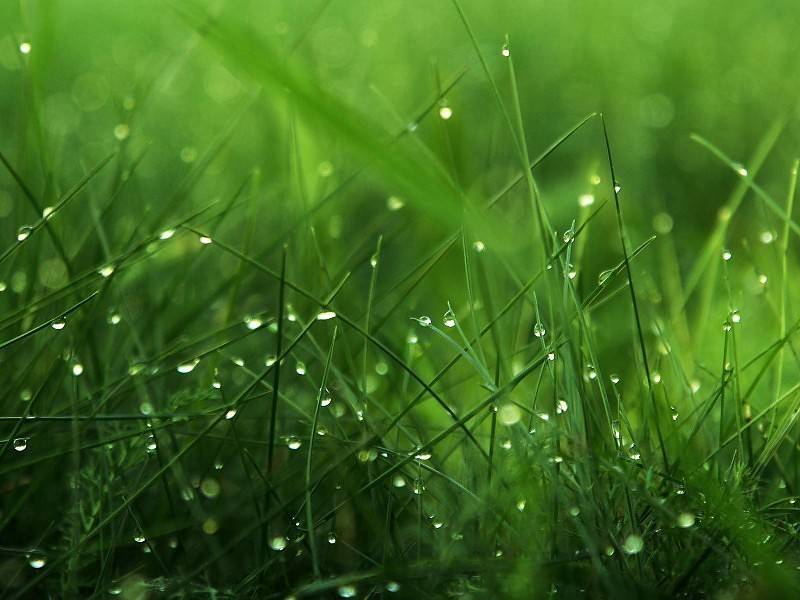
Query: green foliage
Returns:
{"type": "Point", "coordinates": [398, 299]}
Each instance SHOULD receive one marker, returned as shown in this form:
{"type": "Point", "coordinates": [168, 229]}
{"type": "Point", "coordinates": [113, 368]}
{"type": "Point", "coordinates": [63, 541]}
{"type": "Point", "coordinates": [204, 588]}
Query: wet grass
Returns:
{"type": "Point", "coordinates": [352, 366]}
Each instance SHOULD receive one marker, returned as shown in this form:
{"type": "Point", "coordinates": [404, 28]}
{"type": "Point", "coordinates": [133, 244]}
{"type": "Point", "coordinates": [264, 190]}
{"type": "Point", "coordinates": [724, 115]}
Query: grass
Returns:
{"type": "Point", "coordinates": [360, 340]}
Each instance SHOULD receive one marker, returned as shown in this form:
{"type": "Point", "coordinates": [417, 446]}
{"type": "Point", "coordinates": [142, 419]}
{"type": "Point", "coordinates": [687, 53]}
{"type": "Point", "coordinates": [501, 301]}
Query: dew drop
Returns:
{"type": "Point", "coordinates": [139, 539]}
{"type": "Point", "coordinates": [325, 398]}
{"type": "Point", "coordinates": [614, 378]}
{"type": "Point", "coordinates": [37, 561]}
{"type": "Point", "coordinates": [445, 112]}
{"type": "Point", "coordinates": [726, 255]}
{"type": "Point", "coordinates": [505, 51]}
{"type": "Point", "coordinates": [332, 537]}
{"type": "Point", "coordinates": [277, 543]}
{"type": "Point", "coordinates": [205, 240]}
{"type": "Point", "coordinates": [394, 203]}
{"type": "Point", "coordinates": [326, 315]}
{"type": "Point", "coordinates": [77, 369]}
{"type": "Point", "coordinates": [122, 131]}
{"type": "Point", "coordinates": [23, 233]}
{"type": "Point", "coordinates": [736, 317]}
{"type": "Point", "coordinates": [347, 591]}
{"type": "Point", "coordinates": [392, 586]}
{"type": "Point", "coordinates": [425, 321]}
{"type": "Point", "coordinates": [230, 413]}
{"type": "Point", "coordinates": [686, 520]}
{"type": "Point", "coordinates": [166, 234]}
{"type": "Point", "coordinates": [300, 367]}
{"type": "Point", "coordinates": [585, 200]}
{"type": "Point", "coordinates": [478, 246]}
{"type": "Point", "coordinates": [58, 324]}
{"type": "Point", "coordinates": [293, 443]}
{"type": "Point", "coordinates": [253, 323]}
{"type": "Point", "coordinates": [25, 48]}
{"type": "Point", "coordinates": [20, 444]}
{"type": "Point", "coordinates": [633, 544]}
{"type": "Point", "coordinates": [210, 487]}
{"type": "Point", "coordinates": [399, 481]}
{"type": "Point", "coordinates": [538, 330]}
{"type": "Point", "coordinates": [449, 319]}
{"type": "Point", "coordinates": [106, 271]}
{"type": "Point", "coordinates": [188, 367]}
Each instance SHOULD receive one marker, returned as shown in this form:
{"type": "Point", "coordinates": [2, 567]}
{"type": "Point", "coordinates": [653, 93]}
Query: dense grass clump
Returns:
{"type": "Point", "coordinates": [344, 300]}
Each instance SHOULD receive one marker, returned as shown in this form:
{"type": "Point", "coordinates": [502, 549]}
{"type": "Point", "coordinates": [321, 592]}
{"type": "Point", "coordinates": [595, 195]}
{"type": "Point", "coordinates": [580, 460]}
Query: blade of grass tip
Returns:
{"type": "Point", "coordinates": [784, 291]}
{"type": "Point", "coordinates": [488, 73]}
{"type": "Point", "coordinates": [470, 295]}
{"type": "Point", "coordinates": [533, 193]}
{"type": "Point", "coordinates": [312, 542]}
{"type": "Point", "coordinates": [634, 303]}
{"type": "Point", "coordinates": [374, 262]}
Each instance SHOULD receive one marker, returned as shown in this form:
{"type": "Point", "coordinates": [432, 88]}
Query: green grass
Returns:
{"type": "Point", "coordinates": [398, 300]}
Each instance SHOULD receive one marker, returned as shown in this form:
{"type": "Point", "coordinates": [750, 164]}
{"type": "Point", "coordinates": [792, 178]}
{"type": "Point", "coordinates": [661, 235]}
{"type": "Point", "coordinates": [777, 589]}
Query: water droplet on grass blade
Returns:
{"type": "Point", "coordinates": [539, 330]}
{"type": "Point", "coordinates": [23, 233]}
{"type": "Point", "coordinates": [188, 367]}
{"type": "Point", "coordinates": [326, 315]}
{"type": "Point", "coordinates": [58, 324]}
{"type": "Point", "coordinates": [37, 561]}
{"type": "Point", "coordinates": [449, 318]}
{"type": "Point", "coordinates": [633, 544]}
{"type": "Point", "coordinates": [686, 520]}
{"type": "Point", "coordinates": [445, 112]}
{"type": "Point", "coordinates": [122, 131]}
{"type": "Point", "coordinates": [20, 444]}
{"type": "Point", "coordinates": [278, 543]}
